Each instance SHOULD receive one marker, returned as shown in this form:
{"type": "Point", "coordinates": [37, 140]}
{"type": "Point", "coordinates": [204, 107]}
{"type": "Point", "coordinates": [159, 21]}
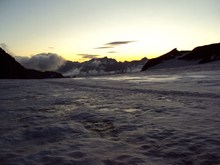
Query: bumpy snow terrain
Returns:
{"type": "Point", "coordinates": [164, 116]}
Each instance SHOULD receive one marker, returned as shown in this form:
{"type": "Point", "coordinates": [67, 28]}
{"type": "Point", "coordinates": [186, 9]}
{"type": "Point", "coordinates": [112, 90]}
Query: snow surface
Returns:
{"type": "Point", "coordinates": [163, 116]}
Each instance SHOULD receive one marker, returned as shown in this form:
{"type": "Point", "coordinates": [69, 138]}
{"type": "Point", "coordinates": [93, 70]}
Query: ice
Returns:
{"type": "Point", "coordinates": [164, 116]}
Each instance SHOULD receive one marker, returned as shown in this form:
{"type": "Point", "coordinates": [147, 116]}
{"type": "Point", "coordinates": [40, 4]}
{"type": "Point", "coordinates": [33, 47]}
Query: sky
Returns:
{"type": "Point", "coordinates": [128, 30]}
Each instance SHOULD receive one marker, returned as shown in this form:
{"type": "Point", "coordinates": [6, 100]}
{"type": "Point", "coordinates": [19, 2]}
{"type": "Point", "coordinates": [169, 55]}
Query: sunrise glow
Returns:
{"type": "Point", "coordinates": [72, 27]}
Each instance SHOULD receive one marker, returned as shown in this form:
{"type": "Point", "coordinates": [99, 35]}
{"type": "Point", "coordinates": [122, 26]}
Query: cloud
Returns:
{"type": "Point", "coordinates": [21, 59]}
{"type": "Point", "coordinates": [72, 72]}
{"type": "Point", "coordinates": [104, 47]}
{"type": "Point", "coordinates": [43, 61]}
{"type": "Point", "coordinates": [88, 56]}
{"type": "Point", "coordinates": [5, 47]}
{"type": "Point", "coordinates": [96, 63]}
{"type": "Point", "coordinates": [112, 52]}
{"type": "Point", "coordinates": [51, 47]}
{"type": "Point", "coordinates": [117, 43]}
{"type": "Point", "coordinates": [113, 44]}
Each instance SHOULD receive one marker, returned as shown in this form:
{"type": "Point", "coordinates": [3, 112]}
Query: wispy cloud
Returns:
{"type": "Point", "coordinates": [88, 56]}
{"type": "Point", "coordinates": [51, 47]}
{"type": "Point", "coordinates": [5, 47]}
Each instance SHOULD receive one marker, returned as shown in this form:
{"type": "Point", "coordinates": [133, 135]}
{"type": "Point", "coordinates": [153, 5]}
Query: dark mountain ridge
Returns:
{"type": "Point", "coordinates": [11, 69]}
{"type": "Point", "coordinates": [199, 55]}
{"type": "Point", "coordinates": [204, 54]}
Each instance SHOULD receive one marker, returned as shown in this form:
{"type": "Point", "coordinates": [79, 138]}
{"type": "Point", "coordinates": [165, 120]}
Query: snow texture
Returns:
{"type": "Point", "coordinates": [163, 116]}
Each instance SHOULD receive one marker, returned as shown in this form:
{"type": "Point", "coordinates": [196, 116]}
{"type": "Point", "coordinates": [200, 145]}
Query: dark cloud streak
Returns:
{"type": "Point", "coordinates": [88, 56]}
{"type": "Point", "coordinates": [112, 52]}
{"type": "Point", "coordinates": [104, 47]}
{"type": "Point", "coordinates": [116, 43]}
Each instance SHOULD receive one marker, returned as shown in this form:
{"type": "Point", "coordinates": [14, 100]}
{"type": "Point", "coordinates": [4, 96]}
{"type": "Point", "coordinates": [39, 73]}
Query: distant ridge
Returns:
{"type": "Point", "coordinates": [11, 69]}
{"type": "Point", "coordinates": [101, 66]}
{"type": "Point", "coordinates": [175, 58]}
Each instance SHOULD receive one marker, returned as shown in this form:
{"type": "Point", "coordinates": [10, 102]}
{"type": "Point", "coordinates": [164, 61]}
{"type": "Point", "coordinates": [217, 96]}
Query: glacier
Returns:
{"type": "Point", "coordinates": [163, 116]}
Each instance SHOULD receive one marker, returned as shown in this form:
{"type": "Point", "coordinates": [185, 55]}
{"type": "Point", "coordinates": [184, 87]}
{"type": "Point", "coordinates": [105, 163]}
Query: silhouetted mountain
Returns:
{"type": "Point", "coordinates": [155, 61]}
{"type": "Point", "coordinates": [11, 69]}
{"type": "Point", "coordinates": [175, 58]}
{"type": "Point", "coordinates": [100, 66]}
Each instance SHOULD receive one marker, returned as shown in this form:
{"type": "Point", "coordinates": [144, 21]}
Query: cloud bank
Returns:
{"type": "Point", "coordinates": [42, 62]}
